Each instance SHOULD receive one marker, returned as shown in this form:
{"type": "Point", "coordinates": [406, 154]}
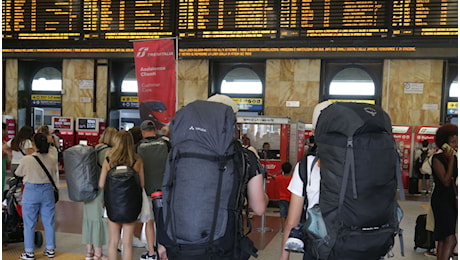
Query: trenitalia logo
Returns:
{"type": "Point", "coordinates": [141, 52]}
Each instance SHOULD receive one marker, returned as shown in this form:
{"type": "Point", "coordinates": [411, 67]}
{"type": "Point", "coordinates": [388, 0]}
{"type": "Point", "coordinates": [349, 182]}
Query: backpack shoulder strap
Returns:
{"type": "Point", "coordinates": [303, 173]}
{"type": "Point", "coordinates": [98, 150]}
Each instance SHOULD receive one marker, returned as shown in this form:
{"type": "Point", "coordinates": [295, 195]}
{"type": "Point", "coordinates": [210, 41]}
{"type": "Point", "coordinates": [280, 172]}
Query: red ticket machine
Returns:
{"type": "Point", "coordinates": [403, 138]}
{"type": "Point", "coordinates": [296, 142]}
{"type": "Point", "coordinates": [275, 132]}
{"type": "Point", "coordinates": [66, 130]}
{"type": "Point", "coordinates": [308, 130]}
{"type": "Point", "coordinates": [10, 127]}
{"type": "Point", "coordinates": [425, 133]}
{"type": "Point", "coordinates": [87, 131]}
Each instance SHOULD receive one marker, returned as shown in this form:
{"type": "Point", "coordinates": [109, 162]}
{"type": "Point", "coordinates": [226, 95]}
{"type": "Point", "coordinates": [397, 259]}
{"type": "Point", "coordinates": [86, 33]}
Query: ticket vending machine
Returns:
{"type": "Point", "coordinates": [403, 138]}
{"type": "Point", "coordinates": [66, 130]}
{"type": "Point", "coordinates": [296, 142]}
{"type": "Point", "coordinates": [424, 133]}
{"type": "Point", "coordinates": [275, 132]}
{"type": "Point", "coordinates": [308, 131]}
{"type": "Point", "coordinates": [87, 131]}
{"type": "Point", "coordinates": [10, 126]}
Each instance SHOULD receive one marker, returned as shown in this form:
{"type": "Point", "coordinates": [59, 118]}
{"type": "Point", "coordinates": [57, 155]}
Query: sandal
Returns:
{"type": "Point", "coordinates": [89, 256]}
{"type": "Point", "coordinates": [100, 257]}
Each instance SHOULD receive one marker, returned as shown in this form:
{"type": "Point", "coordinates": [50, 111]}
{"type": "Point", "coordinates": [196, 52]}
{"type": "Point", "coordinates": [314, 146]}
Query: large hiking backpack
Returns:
{"type": "Point", "coordinates": [82, 172]}
{"type": "Point", "coordinates": [154, 153]}
{"type": "Point", "coordinates": [204, 186]}
{"type": "Point", "coordinates": [360, 173]}
{"type": "Point", "coordinates": [122, 194]}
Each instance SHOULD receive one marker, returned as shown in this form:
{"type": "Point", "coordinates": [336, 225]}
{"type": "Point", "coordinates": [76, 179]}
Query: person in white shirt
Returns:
{"type": "Point", "coordinates": [20, 146]}
{"type": "Point", "coordinates": [297, 194]}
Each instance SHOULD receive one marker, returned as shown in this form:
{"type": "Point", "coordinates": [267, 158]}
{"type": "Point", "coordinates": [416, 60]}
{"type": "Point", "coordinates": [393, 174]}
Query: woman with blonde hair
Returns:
{"type": "Point", "coordinates": [94, 227]}
{"type": "Point", "coordinates": [122, 154]}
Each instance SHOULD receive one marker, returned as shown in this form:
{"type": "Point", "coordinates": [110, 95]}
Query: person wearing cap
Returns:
{"type": "Point", "coordinates": [154, 152]}
{"type": "Point", "coordinates": [296, 189]}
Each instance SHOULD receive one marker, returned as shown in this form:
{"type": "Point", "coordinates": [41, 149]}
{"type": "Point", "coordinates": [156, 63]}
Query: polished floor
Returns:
{"type": "Point", "coordinates": [267, 238]}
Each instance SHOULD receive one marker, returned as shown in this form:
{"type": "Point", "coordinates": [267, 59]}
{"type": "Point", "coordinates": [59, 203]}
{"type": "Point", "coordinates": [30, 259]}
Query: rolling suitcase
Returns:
{"type": "Point", "coordinates": [413, 185]}
{"type": "Point", "coordinates": [423, 238]}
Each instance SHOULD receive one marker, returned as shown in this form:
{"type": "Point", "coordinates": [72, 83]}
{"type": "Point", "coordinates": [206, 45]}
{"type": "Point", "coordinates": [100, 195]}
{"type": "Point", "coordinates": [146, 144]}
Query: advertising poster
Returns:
{"type": "Point", "coordinates": [403, 138]}
{"type": "Point", "coordinates": [156, 80]}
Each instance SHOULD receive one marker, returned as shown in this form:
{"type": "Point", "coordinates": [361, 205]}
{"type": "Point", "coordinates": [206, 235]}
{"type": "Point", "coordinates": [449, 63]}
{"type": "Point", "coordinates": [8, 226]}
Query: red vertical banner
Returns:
{"type": "Point", "coordinates": [156, 80]}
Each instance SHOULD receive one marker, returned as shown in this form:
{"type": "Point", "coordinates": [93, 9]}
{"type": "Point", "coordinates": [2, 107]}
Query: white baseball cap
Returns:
{"type": "Point", "coordinates": [224, 100]}
{"type": "Point", "coordinates": [317, 111]}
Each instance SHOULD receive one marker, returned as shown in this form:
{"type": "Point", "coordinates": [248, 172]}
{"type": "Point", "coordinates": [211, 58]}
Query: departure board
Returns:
{"type": "Point", "coordinates": [82, 20]}
{"type": "Point", "coordinates": [227, 19]}
{"type": "Point", "coordinates": [86, 19]}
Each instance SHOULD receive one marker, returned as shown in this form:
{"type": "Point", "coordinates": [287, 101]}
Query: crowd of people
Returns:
{"type": "Point", "coordinates": [146, 151]}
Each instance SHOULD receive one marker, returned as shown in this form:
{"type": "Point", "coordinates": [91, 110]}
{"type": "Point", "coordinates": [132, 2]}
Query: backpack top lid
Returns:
{"type": "Point", "coordinates": [208, 127]}
{"type": "Point", "coordinates": [351, 118]}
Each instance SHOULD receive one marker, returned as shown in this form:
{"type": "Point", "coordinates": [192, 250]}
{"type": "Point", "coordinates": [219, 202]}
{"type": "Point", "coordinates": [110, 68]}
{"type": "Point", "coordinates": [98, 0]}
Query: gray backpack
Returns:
{"type": "Point", "coordinates": [205, 185]}
{"type": "Point", "coordinates": [154, 153]}
{"type": "Point", "coordinates": [82, 172]}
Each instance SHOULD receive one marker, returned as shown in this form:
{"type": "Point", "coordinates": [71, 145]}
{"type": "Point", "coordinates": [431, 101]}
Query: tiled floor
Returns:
{"type": "Point", "coordinates": [268, 240]}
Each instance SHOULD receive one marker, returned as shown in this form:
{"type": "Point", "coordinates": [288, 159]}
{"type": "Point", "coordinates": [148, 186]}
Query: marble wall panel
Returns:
{"type": "Point", "coordinates": [292, 80]}
{"type": "Point", "coordinates": [11, 88]}
{"type": "Point", "coordinates": [192, 81]}
{"type": "Point", "coordinates": [408, 108]}
{"type": "Point", "coordinates": [74, 70]}
{"type": "Point", "coordinates": [101, 88]}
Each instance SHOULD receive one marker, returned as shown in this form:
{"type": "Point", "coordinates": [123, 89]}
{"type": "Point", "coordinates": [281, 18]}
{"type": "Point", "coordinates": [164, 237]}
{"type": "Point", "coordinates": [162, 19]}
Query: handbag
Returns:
{"type": "Point", "coordinates": [146, 210]}
{"type": "Point", "coordinates": [55, 189]}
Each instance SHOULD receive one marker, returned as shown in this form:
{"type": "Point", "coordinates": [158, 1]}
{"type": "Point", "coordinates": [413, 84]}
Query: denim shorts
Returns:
{"type": "Point", "coordinates": [284, 208]}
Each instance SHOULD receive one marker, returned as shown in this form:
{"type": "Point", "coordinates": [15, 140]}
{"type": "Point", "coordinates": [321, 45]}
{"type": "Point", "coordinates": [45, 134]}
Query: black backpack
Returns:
{"type": "Point", "coordinates": [360, 174]}
{"type": "Point", "coordinates": [122, 194]}
{"type": "Point", "coordinates": [204, 186]}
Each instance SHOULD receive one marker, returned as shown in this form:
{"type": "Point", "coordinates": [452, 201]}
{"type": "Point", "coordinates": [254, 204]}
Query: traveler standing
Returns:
{"type": "Point", "coordinates": [154, 152]}
{"type": "Point", "coordinates": [121, 156]}
{"type": "Point", "coordinates": [38, 196]}
{"type": "Point", "coordinates": [207, 177]}
{"type": "Point", "coordinates": [298, 194]}
{"type": "Point", "coordinates": [94, 227]}
{"type": "Point", "coordinates": [20, 146]}
{"type": "Point", "coordinates": [443, 199]}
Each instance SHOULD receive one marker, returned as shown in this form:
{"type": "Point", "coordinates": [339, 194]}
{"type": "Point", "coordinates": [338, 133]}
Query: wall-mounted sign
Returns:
{"type": "Point", "coordinates": [46, 100]}
{"type": "Point", "coordinates": [413, 87]}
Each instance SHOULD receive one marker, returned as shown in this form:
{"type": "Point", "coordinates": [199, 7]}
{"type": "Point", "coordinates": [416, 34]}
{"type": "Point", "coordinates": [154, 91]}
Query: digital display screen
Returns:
{"type": "Point", "coordinates": [87, 124]}
{"type": "Point", "coordinates": [62, 123]}
{"type": "Point", "coordinates": [204, 19]}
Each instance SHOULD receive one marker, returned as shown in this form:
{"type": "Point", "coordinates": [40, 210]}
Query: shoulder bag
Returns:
{"type": "Point", "coordinates": [55, 189]}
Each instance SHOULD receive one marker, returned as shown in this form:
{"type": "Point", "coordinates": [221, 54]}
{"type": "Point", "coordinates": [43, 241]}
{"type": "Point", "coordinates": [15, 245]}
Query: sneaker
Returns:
{"type": "Point", "coordinates": [49, 253]}
{"type": "Point", "coordinates": [28, 256]}
{"type": "Point", "coordinates": [294, 245]}
{"type": "Point", "coordinates": [137, 242]}
{"type": "Point", "coordinates": [146, 256]}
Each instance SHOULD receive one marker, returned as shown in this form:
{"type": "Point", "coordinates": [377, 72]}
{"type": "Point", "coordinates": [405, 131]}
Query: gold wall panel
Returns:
{"type": "Point", "coordinates": [101, 88]}
{"type": "Point", "coordinates": [11, 88]}
{"type": "Point", "coordinates": [408, 108]}
{"type": "Point", "coordinates": [192, 81]}
{"type": "Point", "coordinates": [74, 70]}
{"type": "Point", "coordinates": [292, 80]}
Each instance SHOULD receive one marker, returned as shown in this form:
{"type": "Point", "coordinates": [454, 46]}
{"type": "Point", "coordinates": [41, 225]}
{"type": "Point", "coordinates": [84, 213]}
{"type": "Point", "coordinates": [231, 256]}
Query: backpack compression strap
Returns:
{"type": "Point", "coordinates": [222, 160]}
{"type": "Point", "coordinates": [349, 168]}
